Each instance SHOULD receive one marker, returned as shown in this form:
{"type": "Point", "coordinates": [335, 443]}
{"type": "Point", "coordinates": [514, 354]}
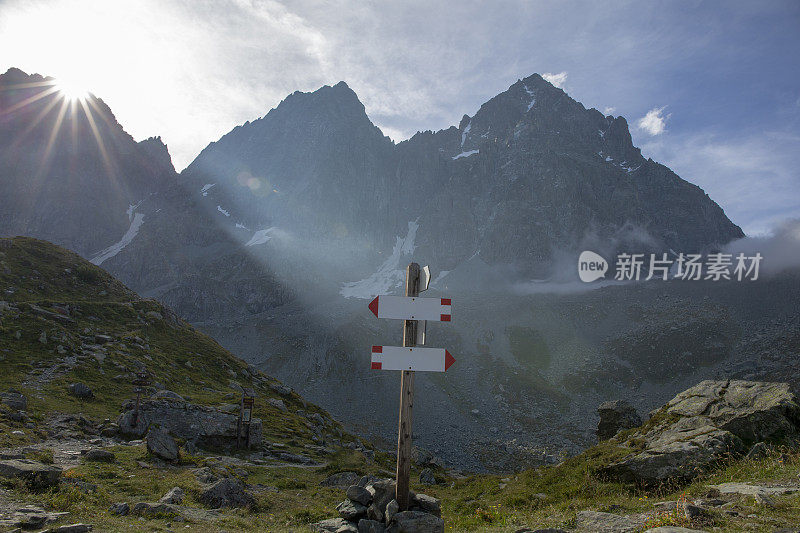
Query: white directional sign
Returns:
{"type": "Point", "coordinates": [411, 308]}
{"type": "Point", "coordinates": [411, 358]}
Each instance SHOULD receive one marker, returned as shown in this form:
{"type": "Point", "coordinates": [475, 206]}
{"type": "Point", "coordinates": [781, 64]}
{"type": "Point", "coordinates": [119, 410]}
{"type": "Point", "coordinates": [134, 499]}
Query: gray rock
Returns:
{"type": "Point", "coordinates": [383, 491]}
{"type": "Point", "coordinates": [391, 509]}
{"type": "Point", "coordinates": [81, 390]}
{"type": "Point", "coordinates": [341, 480]}
{"type": "Point", "coordinates": [374, 513]}
{"type": "Point", "coordinates": [283, 390]}
{"type": "Point", "coordinates": [672, 529]}
{"type": "Point", "coordinates": [34, 473]}
{"type": "Point", "coordinates": [71, 528]}
{"type": "Point", "coordinates": [161, 444]}
{"type": "Point", "coordinates": [331, 525]}
{"type": "Point", "coordinates": [763, 498]}
{"type": "Point", "coordinates": [695, 512]}
{"type": "Point", "coordinates": [167, 395]}
{"type": "Point", "coordinates": [370, 526]}
{"type": "Point", "coordinates": [614, 417]}
{"type": "Point", "coordinates": [120, 508]}
{"type": "Point", "coordinates": [706, 424]}
{"type": "Point", "coordinates": [426, 503]}
{"type": "Point", "coordinates": [278, 404]}
{"type": "Point", "coordinates": [758, 451]}
{"type": "Point", "coordinates": [350, 510]}
{"type": "Point", "coordinates": [173, 496]}
{"type": "Point", "coordinates": [153, 509]}
{"type": "Point", "coordinates": [132, 426]}
{"type": "Point", "coordinates": [103, 456]}
{"type": "Point", "coordinates": [204, 425]}
{"type": "Point", "coordinates": [426, 477]}
{"type": "Point", "coordinates": [14, 399]}
{"type": "Point", "coordinates": [606, 522]}
{"type": "Point", "coordinates": [226, 492]}
{"type": "Point", "coordinates": [205, 475]}
{"type": "Point", "coordinates": [359, 494]}
{"type": "Point", "coordinates": [748, 489]}
{"type": "Point", "coordinates": [415, 522]}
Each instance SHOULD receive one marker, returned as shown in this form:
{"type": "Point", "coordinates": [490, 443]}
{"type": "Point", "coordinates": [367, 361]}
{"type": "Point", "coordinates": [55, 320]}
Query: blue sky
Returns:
{"type": "Point", "coordinates": [720, 80]}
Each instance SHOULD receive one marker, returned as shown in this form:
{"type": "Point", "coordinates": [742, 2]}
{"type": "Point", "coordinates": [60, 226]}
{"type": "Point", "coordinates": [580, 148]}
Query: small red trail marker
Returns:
{"type": "Point", "coordinates": [417, 359]}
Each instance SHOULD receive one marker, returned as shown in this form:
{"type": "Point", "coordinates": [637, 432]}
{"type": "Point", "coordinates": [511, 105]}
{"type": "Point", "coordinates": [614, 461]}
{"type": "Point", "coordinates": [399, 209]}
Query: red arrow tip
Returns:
{"type": "Point", "coordinates": [373, 306]}
{"type": "Point", "coordinates": [448, 360]}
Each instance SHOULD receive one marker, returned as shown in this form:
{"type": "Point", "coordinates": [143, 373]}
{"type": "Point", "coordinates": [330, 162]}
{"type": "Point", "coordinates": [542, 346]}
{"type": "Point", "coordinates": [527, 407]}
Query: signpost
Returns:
{"type": "Point", "coordinates": [142, 380]}
{"type": "Point", "coordinates": [411, 309]}
{"type": "Point", "coordinates": [245, 417]}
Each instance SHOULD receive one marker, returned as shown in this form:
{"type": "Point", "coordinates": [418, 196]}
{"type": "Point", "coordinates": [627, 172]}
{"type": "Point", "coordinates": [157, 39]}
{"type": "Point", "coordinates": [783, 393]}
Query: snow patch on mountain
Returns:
{"type": "Point", "coordinates": [114, 249]}
{"type": "Point", "coordinates": [219, 208]}
{"type": "Point", "coordinates": [465, 154]}
{"type": "Point", "coordinates": [389, 275]}
{"type": "Point", "coordinates": [132, 208]}
{"type": "Point", "coordinates": [261, 236]}
{"type": "Point", "coordinates": [465, 132]}
{"type": "Point", "coordinates": [207, 187]}
{"type": "Point", "coordinates": [532, 95]}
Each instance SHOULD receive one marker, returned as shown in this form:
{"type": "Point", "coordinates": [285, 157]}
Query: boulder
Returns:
{"type": "Point", "coordinates": [614, 417]}
{"type": "Point", "coordinates": [154, 509]}
{"type": "Point", "coordinates": [606, 522]}
{"type": "Point", "coordinates": [359, 494]}
{"type": "Point", "coordinates": [331, 525]}
{"type": "Point", "coordinates": [370, 526]}
{"type": "Point", "coordinates": [426, 477]}
{"type": "Point", "coordinates": [173, 496]}
{"type": "Point", "coordinates": [81, 390]}
{"type": "Point", "coordinates": [277, 404]}
{"type": "Point", "coordinates": [705, 424]}
{"type": "Point", "coordinates": [415, 522]}
{"type": "Point", "coordinates": [14, 399]}
{"type": "Point", "coordinates": [161, 444]}
{"type": "Point", "coordinates": [226, 492]}
{"type": "Point", "coordinates": [167, 395]}
{"type": "Point", "coordinates": [120, 508]}
{"type": "Point", "coordinates": [350, 510]}
{"type": "Point", "coordinates": [205, 475]}
{"type": "Point", "coordinates": [383, 491]}
{"type": "Point", "coordinates": [131, 426]}
{"type": "Point", "coordinates": [71, 528]}
{"type": "Point", "coordinates": [34, 473]}
{"type": "Point", "coordinates": [428, 504]}
{"type": "Point", "coordinates": [207, 426]}
{"type": "Point", "coordinates": [103, 456]}
{"type": "Point", "coordinates": [391, 509]}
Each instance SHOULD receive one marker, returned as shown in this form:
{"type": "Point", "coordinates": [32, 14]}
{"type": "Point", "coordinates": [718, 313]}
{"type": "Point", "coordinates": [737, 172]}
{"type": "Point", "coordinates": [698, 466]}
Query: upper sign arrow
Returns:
{"type": "Point", "coordinates": [411, 308]}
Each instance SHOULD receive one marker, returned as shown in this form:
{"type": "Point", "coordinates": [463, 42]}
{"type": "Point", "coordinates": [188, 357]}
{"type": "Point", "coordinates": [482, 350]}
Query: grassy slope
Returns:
{"type": "Point", "coordinates": [44, 275]}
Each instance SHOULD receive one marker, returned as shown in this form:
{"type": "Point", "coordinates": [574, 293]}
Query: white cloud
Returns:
{"type": "Point", "coordinates": [556, 79]}
{"type": "Point", "coordinates": [753, 178]}
{"type": "Point", "coordinates": [654, 122]}
{"type": "Point", "coordinates": [608, 110]}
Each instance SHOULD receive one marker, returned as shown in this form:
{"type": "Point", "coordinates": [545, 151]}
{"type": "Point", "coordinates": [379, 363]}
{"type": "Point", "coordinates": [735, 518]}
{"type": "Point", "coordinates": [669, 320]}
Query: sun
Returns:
{"type": "Point", "coordinates": [71, 90]}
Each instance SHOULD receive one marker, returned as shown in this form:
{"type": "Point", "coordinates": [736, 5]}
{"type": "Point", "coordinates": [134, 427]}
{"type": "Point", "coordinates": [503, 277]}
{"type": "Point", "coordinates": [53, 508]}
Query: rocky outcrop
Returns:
{"type": "Point", "coordinates": [226, 492]}
{"type": "Point", "coordinates": [200, 424]}
{"type": "Point", "coordinates": [34, 473]}
{"type": "Point", "coordinates": [614, 417]}
{"type": "Point", "coordinates": [704, 424]}
{"type": "Point", "coordinates": [370, 507]}
{"type": "Point", "coordinates": [161, 444]}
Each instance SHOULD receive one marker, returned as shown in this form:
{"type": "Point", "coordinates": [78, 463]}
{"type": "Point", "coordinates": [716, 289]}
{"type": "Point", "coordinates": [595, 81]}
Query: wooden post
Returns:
{"type": "Point", "coordinates": [406, 398]}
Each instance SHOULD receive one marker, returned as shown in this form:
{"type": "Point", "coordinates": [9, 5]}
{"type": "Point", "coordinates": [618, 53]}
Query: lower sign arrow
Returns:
{"type": "Point", "coordinates": [416, 358]}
